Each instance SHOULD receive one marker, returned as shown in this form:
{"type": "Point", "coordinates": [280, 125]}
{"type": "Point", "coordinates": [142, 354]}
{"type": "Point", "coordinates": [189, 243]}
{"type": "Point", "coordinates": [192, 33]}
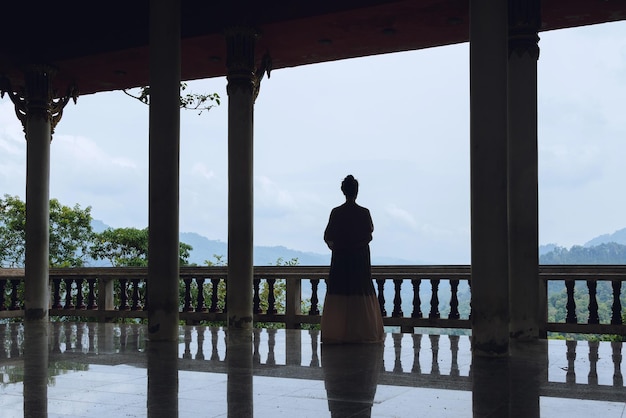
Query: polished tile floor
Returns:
{"type": "Point", "coordinates": [109, 370]}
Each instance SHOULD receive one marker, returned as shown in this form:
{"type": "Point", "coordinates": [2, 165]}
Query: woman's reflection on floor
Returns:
{"type": "Point", "coordinates": [350, 377]}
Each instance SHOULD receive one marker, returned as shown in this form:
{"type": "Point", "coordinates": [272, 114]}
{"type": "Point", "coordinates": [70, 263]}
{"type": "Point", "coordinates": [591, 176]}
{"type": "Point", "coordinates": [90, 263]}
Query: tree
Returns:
{"type": "Point", "coordinates": [71, 234]}
{"type": "Point", "coordinates": [190, 101]}
{"type": "Point", "coordinates": [128, 247]}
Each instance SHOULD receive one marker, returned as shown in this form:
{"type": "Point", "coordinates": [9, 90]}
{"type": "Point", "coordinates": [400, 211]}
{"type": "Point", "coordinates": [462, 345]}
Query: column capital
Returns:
{"type": "Point", "coordinates": [240, 49]}
{"type": "Point", "coordinates": [524, 24]}
{"type": "Point", "coordinates": [37, 99]}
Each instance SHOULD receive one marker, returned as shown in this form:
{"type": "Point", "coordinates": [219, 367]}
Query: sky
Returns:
{"type": "Point", "coordinates": [398, 122]}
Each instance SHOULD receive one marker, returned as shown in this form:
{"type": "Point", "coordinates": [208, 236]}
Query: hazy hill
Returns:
{"type": "Point", "coordinates": [617, 237]}
{"type": "Point", "coordinates": [206, 249]}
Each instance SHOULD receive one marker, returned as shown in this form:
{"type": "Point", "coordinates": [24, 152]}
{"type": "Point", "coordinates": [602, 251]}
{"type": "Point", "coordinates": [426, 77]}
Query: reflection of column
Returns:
{"type": "Point", "coordinates": [35, 369]}
{"type": "Point", "coordinates": [164, 156]}
{"type": "Point", "coordinates": [490, 386]}
{"type": "Point", "coordinates": [239, 363]}
{"type": "Point", "coordinates": [240, 44]}
{"type": "Point", "coordinates": [528, 371]}
{"type": "Point", "coordinates": [488, 177]}
{"type": "Point", "coordinates": [162, 379]}
{"type": "Point", "coordinates": [351, 376]}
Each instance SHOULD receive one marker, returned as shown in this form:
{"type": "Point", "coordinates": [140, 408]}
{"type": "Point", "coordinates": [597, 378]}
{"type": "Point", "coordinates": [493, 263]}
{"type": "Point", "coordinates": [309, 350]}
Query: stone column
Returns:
{"type": "Point", "coordinates": [524, 23]}
{"type": "Point", "coordinates": [164, 156]}
{"type": "Point", "coordinates": [39, 113]}
{"type": "Point", "coordinates": [488, 161]}
{"type": "Point", "coordinates": [241, 87]}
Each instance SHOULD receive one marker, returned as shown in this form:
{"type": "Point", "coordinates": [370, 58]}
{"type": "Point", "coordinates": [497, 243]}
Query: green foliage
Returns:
{"type": "Point", "coordinates": [607, 253]}
{"type": "Point", "coordinates": [71, 234]}
{"type": "Point", "coordinates": [128, 247]}
{"type": "Point", "coordinates": [189, 101]}
{"type": "Point", "coordinates": [12, 231]}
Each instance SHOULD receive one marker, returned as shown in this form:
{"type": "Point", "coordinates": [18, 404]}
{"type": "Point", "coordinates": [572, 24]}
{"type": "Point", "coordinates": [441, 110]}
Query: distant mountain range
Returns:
{"type": "Point", "coordinates": [207, 249]}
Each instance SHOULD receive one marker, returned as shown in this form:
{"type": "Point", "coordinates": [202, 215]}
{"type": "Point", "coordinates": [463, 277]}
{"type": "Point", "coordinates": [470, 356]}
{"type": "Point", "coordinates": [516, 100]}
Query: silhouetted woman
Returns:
{"type": "Point", "coordinates": [351, 311]}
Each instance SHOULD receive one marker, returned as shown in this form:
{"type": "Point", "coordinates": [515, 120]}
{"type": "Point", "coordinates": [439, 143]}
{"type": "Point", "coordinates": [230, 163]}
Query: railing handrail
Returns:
{"type": "Point", "coordinates": [404, 281]}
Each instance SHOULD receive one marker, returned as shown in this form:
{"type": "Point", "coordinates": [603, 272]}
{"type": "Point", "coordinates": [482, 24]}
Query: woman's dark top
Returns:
{"type": "Point", "coordinates": [349, 232]}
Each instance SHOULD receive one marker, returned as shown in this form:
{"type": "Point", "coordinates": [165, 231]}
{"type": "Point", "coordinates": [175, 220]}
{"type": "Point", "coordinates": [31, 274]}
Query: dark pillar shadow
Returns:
{"type": "Point", "coordinates": [509, 387]}
{"type": "Point", "coordinates": [351, 376]}
{"type": "Point", "coordinates": [162, 379]}
{"type": "Point", "coordinates": [35, 369]}
{"type": "Point", "coordinates": [240, 367]}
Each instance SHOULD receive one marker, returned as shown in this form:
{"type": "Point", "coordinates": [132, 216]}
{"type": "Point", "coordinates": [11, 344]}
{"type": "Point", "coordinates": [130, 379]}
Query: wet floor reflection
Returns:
{"type": "Point", "coordinates": [350, 377]}
{"type": "Point", "coordinates": [239, 369]}
{"type": "Point", "coordinates": [162, 399]}
{"type": "Point", "coordinates": [35, 369]}
{"type": "Point", "coordinates": [97, 369]}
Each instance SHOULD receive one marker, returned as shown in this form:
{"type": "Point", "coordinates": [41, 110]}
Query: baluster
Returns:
{"type": "Point", "coordinates": [434, 299]}
{"type": "Point", "coordinates": [417, 308]}
{"type": "Point", "coordinates": [123, 296]}
{"type": "Point", "coordinates": [434, 345]}
{"type": "Point", "coordinates": [271, 343]}
{"type": "Point", "coordinates": [454, 299]}
{"type": "Point", "coordinates": [570, 376]}
{"type": "Point", "coordinates": [214, 295]}
{"type": "Point", "coordinates": [136, 302]}
{"type": "Point", "coordinates": [15, 304]}
{"type": "Point", "coordinates": [256, 298]}
{"type": "Point", "coordinates": [417, 345]}
{"type": "Point", "coordinates": [571, 304]}
{"type": "Point", "coordinates": [56, 337]}
{"type": "Point", "coordinates": [271, 298]}
{"type": "Point", "coordinates": [618, 379]}
{"type": "Point", "coordinates": [397, 299]}
{"type": "Point", "coordinates": [80, 304]}
{"type": "Point", "coordinates": [397, 349]}
{"type": "Point", "coordinates": [56, 294]}
{"type": "Point", "coordinates": [68, 337]}
{"type": "Point", "coordinates": [91, 297]}
{"type": "Point", "coordinates": [200, 306]}
{"type": "Point", "coordinates": [68, 294]}
{"type": "Point", "coordinates": [593, 302]}
{"type": "Point", "coordinates": [187, 340]}
{"type": "Point", "coordinates": [616, 317]}
{"type": "Point", "coordinates": [215, 356]}
{"type": "Point", "coordinates": [145, 295]}
{"type": "Point", "coordinates": [187, 303]}
{"type": "Point", "coordinates": [256, 342]}
{"type": "Point", "coordinates": [92, 326]}
{"type": "Point", "coordinates": [314, 299]}
{"type": "Point", "coordinates": [592, 377]}
{"type": "Point", "coordinates": [469, 284]}
{"type": "Point", "coordinates": [454, 350]}
{"type": "Point", "coordinates": [3, 283]}
{"type": "Point", "coordinates": [381, 296]}
{"type": "Point", "coordinates": [315, 360]}
{"type": "Point", "coordinates": [200, 338]}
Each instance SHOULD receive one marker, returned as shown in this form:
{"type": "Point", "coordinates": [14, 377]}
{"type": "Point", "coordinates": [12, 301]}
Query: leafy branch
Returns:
{"type": "Point", "coordinates": [190, 101]}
